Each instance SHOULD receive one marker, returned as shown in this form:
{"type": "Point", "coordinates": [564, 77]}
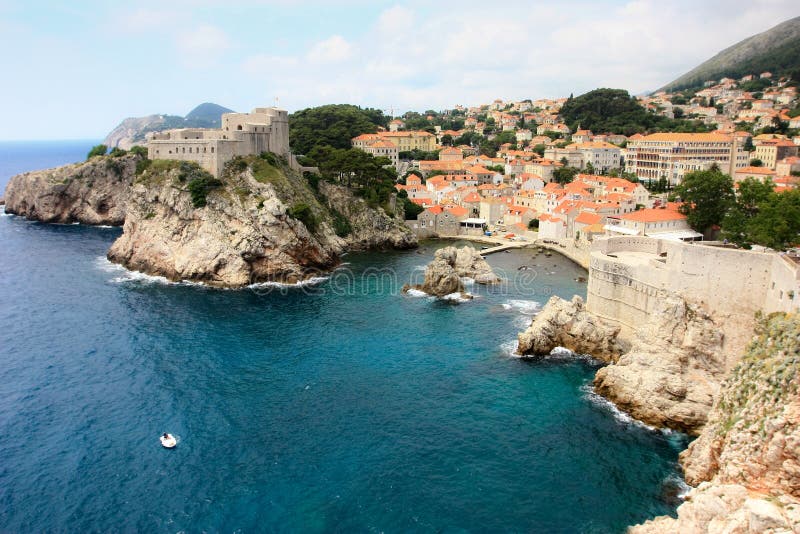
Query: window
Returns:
{"type": "Point", "coordinates": [212, 149]}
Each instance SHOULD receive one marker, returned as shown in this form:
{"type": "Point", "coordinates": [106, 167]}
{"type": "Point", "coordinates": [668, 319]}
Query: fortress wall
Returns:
{"type": "Point", "coordinates": [783, 291]}
{"type": "Point", "coordinates": [732, 285]}
{"type": "Point", "coordinates": [203, 152]}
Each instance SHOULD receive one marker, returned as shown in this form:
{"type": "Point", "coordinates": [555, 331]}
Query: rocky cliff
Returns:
{"type": "Point", "coordinates": [746, 461]}
{"type": "Point", "coordinates": [260, 222]}
{"type": "Point", "coordinates": [132, 130]}
{"type": "Point", "coordinates": [667, 375]}
{"type": "Point", "coordinates": [92, 192]}
{"type": "Point", "coordinates": [673, 370]}
{"type": "Point", "coordinates": [369, 228]}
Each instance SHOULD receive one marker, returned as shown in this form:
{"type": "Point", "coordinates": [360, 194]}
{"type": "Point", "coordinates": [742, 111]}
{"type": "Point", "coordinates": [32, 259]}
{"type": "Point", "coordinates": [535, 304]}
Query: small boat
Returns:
{"type": "Point", "coordinates": [168, 440]}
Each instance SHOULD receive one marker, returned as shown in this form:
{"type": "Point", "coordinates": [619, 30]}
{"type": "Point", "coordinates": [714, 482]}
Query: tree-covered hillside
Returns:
{"type": "Point", "coordinates": [615, 111]}
{"type": "Point", "coordinates": [333, 125]}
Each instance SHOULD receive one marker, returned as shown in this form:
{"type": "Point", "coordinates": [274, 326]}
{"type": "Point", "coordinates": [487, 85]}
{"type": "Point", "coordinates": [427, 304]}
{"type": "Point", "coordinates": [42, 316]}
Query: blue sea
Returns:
{"type": "Point", "coordinates": [342, 406]}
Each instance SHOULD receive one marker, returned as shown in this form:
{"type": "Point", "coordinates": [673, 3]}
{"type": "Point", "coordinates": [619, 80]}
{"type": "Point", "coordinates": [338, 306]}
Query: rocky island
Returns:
{"type": "Point", "coordinates": [450, 266]}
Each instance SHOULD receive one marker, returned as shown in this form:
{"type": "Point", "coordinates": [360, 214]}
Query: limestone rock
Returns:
{"type": "Point", "coordinates": [725, 509]}
{"type": "Point", "coordinates": [673, 370]}
{"type": "Point", "coordinates": [470, 264]}
{"type": "Point", "coordinates": [746, 462]}
{"type": "Point", "coordinates": [131, 131]}
{"type": "Point", "coordinates": [567, 324]}
{"type": "Point", "coordinates": [92, 192]}
{"type": "Point", "coordinates": [443, 275]}
{"type": "Point", "coordinates": [242, 236]}
{"type": "Point", "coordinates": [370, 228]}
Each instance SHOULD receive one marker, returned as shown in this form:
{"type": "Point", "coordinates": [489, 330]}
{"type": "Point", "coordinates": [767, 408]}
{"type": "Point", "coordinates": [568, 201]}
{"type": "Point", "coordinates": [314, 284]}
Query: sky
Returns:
{"type": "Point", "coordinates": [74, 70]}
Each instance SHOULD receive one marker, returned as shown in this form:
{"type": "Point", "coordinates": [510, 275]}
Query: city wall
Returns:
{"type": "Point", "coordinates": [628, 275]}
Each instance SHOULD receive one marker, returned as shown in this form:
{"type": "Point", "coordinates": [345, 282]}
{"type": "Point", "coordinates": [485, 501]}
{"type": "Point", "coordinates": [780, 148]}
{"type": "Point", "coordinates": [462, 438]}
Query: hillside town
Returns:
{"type": "Point", "coordinates": [507, 168]}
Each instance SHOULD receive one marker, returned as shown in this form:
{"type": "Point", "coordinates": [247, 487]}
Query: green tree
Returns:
{"type": "Point", "coordinates": [748, 144]}
{"type": "Point", "coordinates": [447, 140]}
{"type": "Point", "coordinates": [777, 223]}
{"type": "Point", "coordinates": [755, 162]}
{"type": "Point", "coordinates": [97, 150]}
{"type": "Point", "coordinates": [565, 175]}
{"type": "Point", "coordinates": [707, 196]}
{"type": "Point", "coordinates": [332, 125]}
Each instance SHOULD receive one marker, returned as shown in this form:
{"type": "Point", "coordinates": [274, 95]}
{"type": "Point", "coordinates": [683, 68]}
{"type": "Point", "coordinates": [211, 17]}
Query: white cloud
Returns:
{"type": "Point", "coordinates": [332, 50]}
{"type": "Point", "coordinates": [418, 55]}
{"type": "Point", "coordinates": [202, 45]}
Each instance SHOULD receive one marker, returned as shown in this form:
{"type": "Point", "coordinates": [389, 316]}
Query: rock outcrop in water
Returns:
{"type": "Point", "coordinates": [92, 192]}
{"type": "Point", "coordinates": [567, 324]}
{"type": "Point", "coordinates": [746, 461]}
{"type": "Point", "coordinates": [260, 222]}
{"type": "Point", "coordinates": [666, 376]}
{"type": "Point", "coordinates": [443, 275]}
{"type": "Point", "coordinates": [673, 370]}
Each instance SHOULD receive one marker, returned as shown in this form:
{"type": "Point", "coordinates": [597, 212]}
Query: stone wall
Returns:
{"type": "Point", "coordinates": [626, 274]}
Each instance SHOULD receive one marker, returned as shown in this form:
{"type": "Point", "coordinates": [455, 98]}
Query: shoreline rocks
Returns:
{"type": "Point", "coordinates": [443, 275]}
{"type": "Point", "coordinates": [92, 192]}
{"type": "Point", "coordinates": [568, 324]}
{"type": "Point", "coordinates": [746, 462]}
{"type": "Point", "coordinates": [673, 370]}
{"type": "Point", "coordinates": [243, 234]}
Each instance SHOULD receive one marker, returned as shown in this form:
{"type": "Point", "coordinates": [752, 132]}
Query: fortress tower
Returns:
{"type": "Point", "coordinates": [241, 134]}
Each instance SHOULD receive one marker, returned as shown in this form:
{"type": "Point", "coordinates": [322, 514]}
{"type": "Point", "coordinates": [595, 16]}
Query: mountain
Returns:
{"type": "Point", "coordinates": [132, 130]}
{"type": "Point", "coordinates": [776, 50]}
{"type": "Point", "coordinates": [208, 112]}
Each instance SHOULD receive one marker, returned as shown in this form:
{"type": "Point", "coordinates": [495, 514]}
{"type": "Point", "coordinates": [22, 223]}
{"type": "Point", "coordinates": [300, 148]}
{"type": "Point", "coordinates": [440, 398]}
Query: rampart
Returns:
{"type": "Point", "coordinates": [627, 276]}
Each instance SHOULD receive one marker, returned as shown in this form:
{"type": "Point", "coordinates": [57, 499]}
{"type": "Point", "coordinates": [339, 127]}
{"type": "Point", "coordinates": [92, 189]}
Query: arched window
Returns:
{"type": "Point", "coordinates": [184, 150]}
{"type": "Point", "coordinates": [212, 149]}
{"type": "Point", "coordinates": [239, 127]}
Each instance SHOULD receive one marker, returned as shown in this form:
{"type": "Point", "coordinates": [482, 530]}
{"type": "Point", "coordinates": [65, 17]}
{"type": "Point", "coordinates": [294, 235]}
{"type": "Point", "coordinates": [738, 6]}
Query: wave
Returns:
{"type": "Point", "coordinates": [418, 293]}
{"type": "Point", "coordinates": [467, 281]}
{"type": "Point", "coordinates": [456, 297]}
{"type": "Point", "coordinates": [509, 348]}
{"type": "Point", "coordinates": [314, 280]}
{"type": "Point", "coordinates": [526, 307]}
{"type": "Point", "coordinates": [126, 275]}
{"type": "Point", "coordinates": [522, 322]}
{"type": "Point", "coordinates": [608, 406]}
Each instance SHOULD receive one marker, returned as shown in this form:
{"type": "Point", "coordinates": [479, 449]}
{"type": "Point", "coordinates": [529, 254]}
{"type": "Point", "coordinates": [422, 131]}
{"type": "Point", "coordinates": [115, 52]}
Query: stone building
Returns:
{"type": "Point", "coordinates": [672, 155]}
{"type": "Point", "coordinates": [241, 134]}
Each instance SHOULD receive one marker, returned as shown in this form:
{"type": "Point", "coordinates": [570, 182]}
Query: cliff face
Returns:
{"type": "Point", "coordinates": [369, 228]}
{"type": "Point", "coordinates": [747, 458]}
{"type": "Point", "coordinates": [243, 235]}
{"type": "Point", "coordinates": [260, 222]}
{"type": "Point", "coordinates": [673, 370]}
{"type": "Point", "coordinates": [92, 192]}
{"type": "Point", "coordinates": [131, 131]}
{"type": "Point", "coordinates": [667, 375]}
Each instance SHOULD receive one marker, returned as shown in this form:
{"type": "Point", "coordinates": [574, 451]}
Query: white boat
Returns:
{"type": "Point", "coordinates": [168, 440]}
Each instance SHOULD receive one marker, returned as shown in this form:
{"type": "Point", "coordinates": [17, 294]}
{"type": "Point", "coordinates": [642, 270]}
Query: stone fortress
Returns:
{"type": "Point", "coordinates": [241, 134]}
{"type": "Point", "coordinates": [628, 275]}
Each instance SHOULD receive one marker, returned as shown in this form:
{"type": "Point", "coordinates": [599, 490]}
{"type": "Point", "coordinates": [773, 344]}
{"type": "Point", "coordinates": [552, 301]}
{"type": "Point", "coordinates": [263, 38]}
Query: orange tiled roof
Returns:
{"type": "Point", "coordinates": [653, 215]}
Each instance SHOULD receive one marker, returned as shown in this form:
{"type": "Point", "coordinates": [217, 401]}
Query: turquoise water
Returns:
{"type": "Point", "coordinates": [341, 407]}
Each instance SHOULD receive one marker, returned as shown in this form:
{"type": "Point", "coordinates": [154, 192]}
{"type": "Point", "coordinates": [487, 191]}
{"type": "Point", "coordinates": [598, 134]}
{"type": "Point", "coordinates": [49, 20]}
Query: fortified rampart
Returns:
{"type": "Point", "coordinates": [627, 276]}
{"type": "Point", "coordinates": [241, 134]}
